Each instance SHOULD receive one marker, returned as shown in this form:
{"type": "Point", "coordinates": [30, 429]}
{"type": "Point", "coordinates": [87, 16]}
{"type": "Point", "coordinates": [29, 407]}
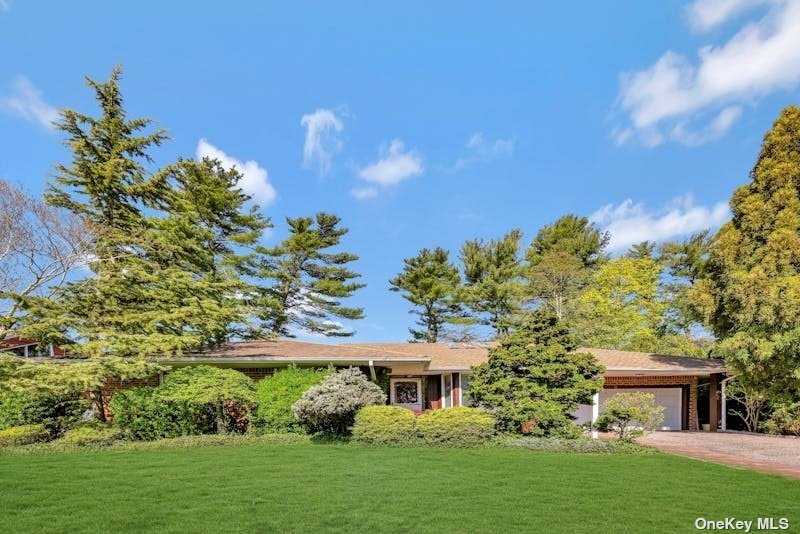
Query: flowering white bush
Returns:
{"type": "Point", "coordinates": [331, 405]}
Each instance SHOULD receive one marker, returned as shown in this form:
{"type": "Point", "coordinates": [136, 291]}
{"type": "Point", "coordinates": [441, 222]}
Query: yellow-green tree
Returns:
{"type": "Point", "coordinates": [749, 294]}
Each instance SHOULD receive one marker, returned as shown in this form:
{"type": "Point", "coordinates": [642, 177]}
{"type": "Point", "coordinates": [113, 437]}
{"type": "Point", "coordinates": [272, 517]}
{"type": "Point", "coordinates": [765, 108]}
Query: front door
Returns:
{"type": "Point", "coordinates": [406, 392]}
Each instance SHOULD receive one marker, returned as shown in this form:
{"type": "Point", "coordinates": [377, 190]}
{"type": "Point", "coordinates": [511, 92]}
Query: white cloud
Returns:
{"type": "Point", "coordinates": [705, 15]}
{"type": "Point", "coordinates": [363, 193]}
{"type": "Point", "coordinates": [481, 150]}
{"type": "Point", "coordinates": [696, 101]}
{"type": "Point", "coordinates": [490, 149]}
{"type": "Point", "coordinates": [631, 223]}
{"type": "Point", "coordinates": [255, 180]}
{"type": "Point", "coordinates": [26, 101]}
{"type": "Point", "coordinates": [321, 140]}
{"type": "Point", "coordinates": [394, 165]}
{"type": "Point", "coordinates": [5, 6]}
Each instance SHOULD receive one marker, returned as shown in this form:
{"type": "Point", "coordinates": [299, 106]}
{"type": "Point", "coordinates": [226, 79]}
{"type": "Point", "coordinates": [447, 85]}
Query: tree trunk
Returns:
{"type": "Point", "coordinates": [98, 406]}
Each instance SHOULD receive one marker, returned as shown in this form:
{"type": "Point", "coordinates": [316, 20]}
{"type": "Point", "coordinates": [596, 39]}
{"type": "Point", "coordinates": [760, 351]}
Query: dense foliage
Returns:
{"type": "Point", "coordinates": [493, 283]}
{"type": "Point", "coordinates": [785, 419]}
{"type": "Point", "coordinates": [93, 434]}
{"type": "Point", "coordinates": [533, 381]}
{"type": "Point", "coordinates": [331, 406]}
{"type": "Point", "coordinates": [749, 291]}
{"type": "Point", "coordinates": [630, 414]}
{"type": "Point", "coordinates": [456, 427]}
{"type": "Point", "coordinates": [277, 394]}
{"type": "Point", "coordinates": [226, 393]}
{"type": "Point", "coordinates": [145, 414]}
{"type": "Point", "coordinates": [23, 435]}
{"type": "Point", "coordinates": [55, 412]}
{"type": "Point", "coordinates": [305, 281]}
{"type": "Point", "coordinates": [191, 400]}
{"type": "Point", "coordinates": [384, 425]}
{"type": "Point", "coordinates": [431, 283]}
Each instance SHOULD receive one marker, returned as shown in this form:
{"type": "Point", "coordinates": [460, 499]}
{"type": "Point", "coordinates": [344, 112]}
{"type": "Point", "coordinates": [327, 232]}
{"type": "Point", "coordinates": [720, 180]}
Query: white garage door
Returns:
{"type": "Point", "coordinates": [670, 398]}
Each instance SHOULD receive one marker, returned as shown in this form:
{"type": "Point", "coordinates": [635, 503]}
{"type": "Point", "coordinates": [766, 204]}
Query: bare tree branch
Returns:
{"type": "Point", "coordinates": [40, 246]}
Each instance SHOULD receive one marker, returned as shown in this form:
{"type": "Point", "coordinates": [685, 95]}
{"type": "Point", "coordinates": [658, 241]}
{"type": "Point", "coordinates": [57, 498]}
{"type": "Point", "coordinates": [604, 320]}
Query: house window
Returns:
{"type": "Point", "coordinates": [406, 392]}
{"type": "Point", "coordinates": [447, 390]}
{"type": "Point", "coordinates": [466, 400]}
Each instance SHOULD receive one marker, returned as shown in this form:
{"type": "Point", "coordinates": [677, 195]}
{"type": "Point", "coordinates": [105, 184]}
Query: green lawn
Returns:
{"type": "Point", "coordinates": [347, 488]}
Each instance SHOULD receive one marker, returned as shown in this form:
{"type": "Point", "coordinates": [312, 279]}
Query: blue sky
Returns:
{"type": "Point", "coordinates": [422, 123]}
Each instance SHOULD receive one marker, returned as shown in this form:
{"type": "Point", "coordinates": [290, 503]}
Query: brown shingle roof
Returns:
{"type": "Point", "coordinates": [442, 356]}
{"type": "Point", "coordinates": [623, 360]}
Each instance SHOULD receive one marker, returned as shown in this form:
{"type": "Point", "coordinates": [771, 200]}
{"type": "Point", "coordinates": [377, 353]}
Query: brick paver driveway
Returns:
{"type": "Point", "coordinates": [771, 454]}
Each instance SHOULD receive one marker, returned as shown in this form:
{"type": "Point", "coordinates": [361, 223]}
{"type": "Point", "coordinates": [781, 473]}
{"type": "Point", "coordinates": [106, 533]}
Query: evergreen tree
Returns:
{"type": "Point", "coordinates": [533, 381]}
{"type": "Point", "coordinates": [749, 294]}
{"type": "Point", "coordinates": [494, 288]}
{"type": "Point", "coordinates": [430, 282]}
{"type": "Point", "coordinates": [685, 263]}
{"type": "Point", "coordinates": [164, 271]}
{"type": "Point", "coordinates": [305, 284]}
{"type": "Point", "coordinates": [561, 258]}
{"type": "Point", "coordinates": [643, 249]}
{"type": "Point", "coordinates": [571, 235]}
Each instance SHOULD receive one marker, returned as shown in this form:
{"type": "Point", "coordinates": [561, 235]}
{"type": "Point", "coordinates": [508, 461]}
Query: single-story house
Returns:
{"type": "Point", "coordinates": [429, 376]}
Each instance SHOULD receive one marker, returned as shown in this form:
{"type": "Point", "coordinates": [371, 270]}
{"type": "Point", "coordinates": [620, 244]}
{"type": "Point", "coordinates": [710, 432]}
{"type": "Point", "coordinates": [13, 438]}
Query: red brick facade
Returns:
{"type": "Point", "coordinates": [690, 382]}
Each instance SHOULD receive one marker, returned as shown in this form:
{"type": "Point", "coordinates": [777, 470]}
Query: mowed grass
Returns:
{"type": "Point", "coordinates": [258, 488]}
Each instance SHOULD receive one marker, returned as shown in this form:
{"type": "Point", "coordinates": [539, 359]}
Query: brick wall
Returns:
{"type": "Point", "coordinates": [256, 373]}
{"type": "Point", "coordinates": [613, 382]}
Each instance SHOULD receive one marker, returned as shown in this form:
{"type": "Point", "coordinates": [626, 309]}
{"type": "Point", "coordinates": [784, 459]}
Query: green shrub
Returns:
{"type": "Point", "coordinates": [55, 412]}
{"type": "Point", "coordinates": [145, 414]}
{"type": "Point", "coordinates": [785, 419]}
{"type": "Point", "coordinates": [278, 393]}
{"type": "Point", "coordinates": [227, 394]}
{"type": "Point", "coordinates": [91, 434]}
{"type": "Point", "coordinates": [384, 425]}
{"type": "Point", "coordinates": [458, 427]}
{"type": "Point", "coordinates": [580, 445]}
{"type": "Point", "coordinates": [330, 406]}
{"type": "Point", "coordinates": [23, 435]}
{"type": "Point", "coordinates": [630, 415]}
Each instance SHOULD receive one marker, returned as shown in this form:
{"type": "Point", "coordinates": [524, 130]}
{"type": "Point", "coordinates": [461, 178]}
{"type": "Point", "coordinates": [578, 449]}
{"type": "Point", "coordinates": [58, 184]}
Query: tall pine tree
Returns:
{"type": "Point", "coordinates": [430, 282]}
{"type": "Point", "coordinates": [493, 281]}
{"type": "Point", "coordinates": [304, 283]}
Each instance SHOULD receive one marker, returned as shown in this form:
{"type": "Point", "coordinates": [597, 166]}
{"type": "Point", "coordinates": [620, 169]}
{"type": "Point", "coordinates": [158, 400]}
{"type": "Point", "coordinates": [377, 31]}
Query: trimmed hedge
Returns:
{"type": "Point", "coordinates": [146, 415]}
{"type": "Point", "coordinates": [55, 412]}
{"type": "Point", "coordinates": [91, 435]}
{"type": "Point", "coordinates": [278, 393]}
{"type": "Point", "coordinates": [230, 396]}
{"type": "Point", "coordinates": [455, 427]}
{"type": "Point", "coordinates": [384, 425]}
{"type": "Point", "coordinates": [23, 435]}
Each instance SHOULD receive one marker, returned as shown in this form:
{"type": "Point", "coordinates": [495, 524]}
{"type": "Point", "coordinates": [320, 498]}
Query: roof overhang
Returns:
{"type": "Point", "coordinates": [263, 361]}
{"type": "Point", "coordinates": [662, 372]}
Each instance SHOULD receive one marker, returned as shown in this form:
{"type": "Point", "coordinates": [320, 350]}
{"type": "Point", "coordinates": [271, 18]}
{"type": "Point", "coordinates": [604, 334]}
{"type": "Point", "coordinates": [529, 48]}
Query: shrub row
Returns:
{"type": "Point", "coordinates": [192, 400]}
{"type": "Point", "coordinates": [23, 435]}
{"type": "Point", "coordinates": [55, 412]}
{"type": "Point", "coordinates": [453, 427]}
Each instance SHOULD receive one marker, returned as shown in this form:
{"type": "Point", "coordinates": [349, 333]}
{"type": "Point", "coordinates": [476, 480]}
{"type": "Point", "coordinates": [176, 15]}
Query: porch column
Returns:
{"type": "Point", "coordinates": [693, 426]}
{"type": "Point", "coordinates": [713, 412]}
{"type": "Point", "coordinates": [595, 413]}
